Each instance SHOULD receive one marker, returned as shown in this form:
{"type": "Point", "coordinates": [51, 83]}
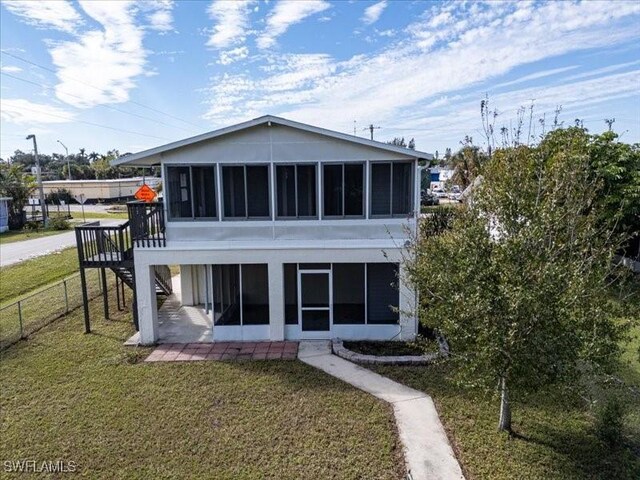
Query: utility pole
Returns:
{"type": "Point", "coordinates": [43, 205]}
{"type": "Point", "coordinates": [67, 157]}
{"type": "Point", "coordinates": [371, 128]}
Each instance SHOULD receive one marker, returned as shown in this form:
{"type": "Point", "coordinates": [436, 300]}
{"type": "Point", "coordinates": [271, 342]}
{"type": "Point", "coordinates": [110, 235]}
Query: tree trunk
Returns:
{"type": "Point", "coordinates": [505, 409]}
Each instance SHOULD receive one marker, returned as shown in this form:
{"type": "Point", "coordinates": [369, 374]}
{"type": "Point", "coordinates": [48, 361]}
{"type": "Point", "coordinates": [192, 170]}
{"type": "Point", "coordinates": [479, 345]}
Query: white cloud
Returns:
{"type": "Point", "coordinates": [285, 14]}
{"type": "Point", "coordinates": [229, 56]}
{"type": "Point", "coordinates": [58, 14]}
{"type": "Point", "coordinates": [407, 79]}
{"type": "Point", "coordinates": [537, 75]}
{"type": "Point", "coordinates": [25, 112]}
{"type": "Point", "coordinates": [372, 13]}
{"type": "Point", "coordinates": [160, 16]}
{"type": "Point", "coordinates": [231, 22]}
{"type": "Point", "coordinates": [11, 69]}
{"type": "Point", "coordinates": [108, 59]}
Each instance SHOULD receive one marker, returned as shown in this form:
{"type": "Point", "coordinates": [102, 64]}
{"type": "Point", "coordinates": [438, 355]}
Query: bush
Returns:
{"type": "Point", "coordinates": [609, 421]}
{"type": "Point", "coordinates": [59, 223]}
{"type": "Point", "coordinates": [32, 226]}
{"type": "Point", "coordinates": [438, 220]}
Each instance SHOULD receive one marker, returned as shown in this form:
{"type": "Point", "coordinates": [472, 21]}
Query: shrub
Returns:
{"type": "Point", "coordinates": [58, 223]}
{"type": "Point", "coordinates": [609, 421]}
{"type": "Point", "coordinates": [32, 226]}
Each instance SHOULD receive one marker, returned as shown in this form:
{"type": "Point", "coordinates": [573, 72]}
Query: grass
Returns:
{"type": "Point", "coordinates": [100, 215]}
{"type": "Point", "coordinates": [555, 428]}
{"type": "Point", "coordinates": [24, 277]}
{"type": "Point", "coordinates": [87, 399]}
{"type": "Point", "coordinates": [20, 235]}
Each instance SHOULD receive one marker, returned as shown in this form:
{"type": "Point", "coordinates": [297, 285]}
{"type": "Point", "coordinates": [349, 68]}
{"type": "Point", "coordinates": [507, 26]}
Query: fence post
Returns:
{"type": "Point", "coordinates": [66, 297]}
{"type": "Point", "coordinates": [20, 319]}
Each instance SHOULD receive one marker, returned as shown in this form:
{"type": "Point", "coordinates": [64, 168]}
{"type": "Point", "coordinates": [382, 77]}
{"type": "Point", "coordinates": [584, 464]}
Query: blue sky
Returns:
{"type": "Point", "coordinates": [127, 75]}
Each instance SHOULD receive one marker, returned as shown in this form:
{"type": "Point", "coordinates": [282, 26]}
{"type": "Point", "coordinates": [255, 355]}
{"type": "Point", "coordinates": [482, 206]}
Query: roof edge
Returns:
{"type": "Point", "coordinates": [266, 119]}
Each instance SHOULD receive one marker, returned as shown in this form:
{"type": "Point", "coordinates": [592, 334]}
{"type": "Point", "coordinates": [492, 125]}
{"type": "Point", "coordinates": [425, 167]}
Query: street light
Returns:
{"type": "Point", "coordinates": [39, 179]}
{"type": "Point", "coordinates": [67, 157]}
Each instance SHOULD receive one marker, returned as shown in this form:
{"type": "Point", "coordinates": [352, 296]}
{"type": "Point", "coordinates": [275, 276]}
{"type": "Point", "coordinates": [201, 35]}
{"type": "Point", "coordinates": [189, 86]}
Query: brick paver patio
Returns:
{"type": "Point", "coordinates": [180, 352]}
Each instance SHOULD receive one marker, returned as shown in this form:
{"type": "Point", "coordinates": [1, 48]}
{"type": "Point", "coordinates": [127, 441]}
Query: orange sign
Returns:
{"type": "Point", "coordinates": [145, 193]}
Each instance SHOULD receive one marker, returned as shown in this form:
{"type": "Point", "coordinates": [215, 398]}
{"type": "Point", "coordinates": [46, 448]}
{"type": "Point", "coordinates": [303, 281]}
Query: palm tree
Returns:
{"type": "Point", "coordinates": [93, 156]}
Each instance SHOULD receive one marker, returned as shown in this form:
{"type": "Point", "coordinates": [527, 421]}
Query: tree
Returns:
{"type": "Point", "coordinates": [517, 285]}
{"type": "Point", "coordinates": [17, 185]}
{"type": "Point", "coordinates": [467, 163]}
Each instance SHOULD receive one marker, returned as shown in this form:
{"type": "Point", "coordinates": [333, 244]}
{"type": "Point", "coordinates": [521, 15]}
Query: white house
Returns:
{"type": "Point", "coordinates": [283, 230]}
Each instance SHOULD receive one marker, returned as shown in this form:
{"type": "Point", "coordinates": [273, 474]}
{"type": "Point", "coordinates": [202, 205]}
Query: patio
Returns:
{"type": "Point", "coordinates": [225, 351]}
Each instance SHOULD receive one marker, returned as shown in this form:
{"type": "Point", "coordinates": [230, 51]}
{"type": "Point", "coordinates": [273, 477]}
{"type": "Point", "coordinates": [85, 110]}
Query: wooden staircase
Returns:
{"type": "Point", "coordinates": [112, 248]}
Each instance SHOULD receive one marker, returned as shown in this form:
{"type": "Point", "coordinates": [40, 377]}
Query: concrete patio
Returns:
{"type": "Point", "coordinates": [228, 351]}
{"type": "Point", "coordinates": [180, 324]}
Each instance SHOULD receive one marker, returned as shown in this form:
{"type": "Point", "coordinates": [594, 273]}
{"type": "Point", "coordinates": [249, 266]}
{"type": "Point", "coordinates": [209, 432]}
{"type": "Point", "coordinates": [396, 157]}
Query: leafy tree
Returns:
{"type": "Point", "coordinates": [467, 163]}
{"type": "Point", "coordinates": [400, 142]}
{"type": "Point", "coordinates": [517, 285]}
{"type": "Point", "coordinates": [19, 186]}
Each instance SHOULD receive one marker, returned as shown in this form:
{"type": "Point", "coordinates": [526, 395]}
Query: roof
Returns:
{"type": "Point", "coordinates": [106, 180]}
{"type": "Point", "coordinates": [266, 119]}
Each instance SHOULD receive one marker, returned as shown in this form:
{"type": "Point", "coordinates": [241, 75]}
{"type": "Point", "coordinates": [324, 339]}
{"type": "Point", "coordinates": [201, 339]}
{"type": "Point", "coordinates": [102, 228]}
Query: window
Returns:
{"type": "Point", "coordinates": [296, 191]}
{"type": "Point", "coordinates": [226, 294]}
{"type": "Point", "coordinates": [241, 294]}
{"type": "Point", "coordinates": [255, 294]}
{"type": "Point", "coordinates": [391, 189]}
{"type": "Point", "coordinates": [382, 293]}
{"type": "Point", "coordinates": [246, 191]}
{"type": "Point", "coordinates": [192, 192]}
{"type": "Point", "coordinates": [348, 293]}
{"type": "Point", "coordinates": [343, 190]}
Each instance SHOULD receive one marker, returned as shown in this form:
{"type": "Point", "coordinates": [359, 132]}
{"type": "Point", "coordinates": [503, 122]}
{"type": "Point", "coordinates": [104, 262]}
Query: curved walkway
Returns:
{"type": "Point", "coordinates": [427, 450]}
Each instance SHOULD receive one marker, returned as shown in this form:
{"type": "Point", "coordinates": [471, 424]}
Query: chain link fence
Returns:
{"type": "Point", "coordinates": [20, 319]}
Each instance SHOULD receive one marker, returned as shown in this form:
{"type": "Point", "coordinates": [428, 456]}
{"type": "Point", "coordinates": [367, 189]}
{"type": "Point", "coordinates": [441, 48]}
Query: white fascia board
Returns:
{"type": "Point", "coordinates": [153, 156]}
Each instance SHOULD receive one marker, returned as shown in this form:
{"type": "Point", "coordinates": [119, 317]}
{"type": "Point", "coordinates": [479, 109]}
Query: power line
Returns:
{"type": "Point", "coordinates": [93, 124]}
{"type": "Point", "coordinates": [17, 57]}
{"type": "Point", "coordinates": [110, 107]}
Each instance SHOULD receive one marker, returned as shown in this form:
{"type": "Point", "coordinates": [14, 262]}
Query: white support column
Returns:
{"type": "Point", "coordinates": [407, 307]}
{"type": "Point", "coordinates": [276, 301]}
{"type": "Point", "coordinates": [147, 306]}
{"type": "Point", "coordinates": [186, 284]}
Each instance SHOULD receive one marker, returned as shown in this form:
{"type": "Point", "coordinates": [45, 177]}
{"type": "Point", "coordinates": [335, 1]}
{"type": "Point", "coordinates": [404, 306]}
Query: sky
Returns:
{"type": "Point", "coordinates": [134, 75]}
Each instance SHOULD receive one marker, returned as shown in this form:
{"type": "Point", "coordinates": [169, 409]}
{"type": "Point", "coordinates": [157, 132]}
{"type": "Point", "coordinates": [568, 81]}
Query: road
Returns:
{"type": "Point", "coordinates": [15, 252]}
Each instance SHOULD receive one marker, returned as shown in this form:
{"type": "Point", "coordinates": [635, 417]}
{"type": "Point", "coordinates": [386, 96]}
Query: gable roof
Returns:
{"type": "Point", "coordinates": [146, 157]}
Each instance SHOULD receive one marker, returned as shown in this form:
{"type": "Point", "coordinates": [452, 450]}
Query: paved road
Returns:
{"type": "Point", "coordinates": [15, 252]}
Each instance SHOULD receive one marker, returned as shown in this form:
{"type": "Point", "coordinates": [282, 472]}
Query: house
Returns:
{"type": "Point", "coordinates": [281, 230]}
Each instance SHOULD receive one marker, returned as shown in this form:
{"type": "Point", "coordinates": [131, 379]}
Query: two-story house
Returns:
{"type": "Point", "coordinates": [283, 230]}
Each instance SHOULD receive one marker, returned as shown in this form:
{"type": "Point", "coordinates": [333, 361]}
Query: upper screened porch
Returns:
{"type": "Point", "coordinates": [273, 179]}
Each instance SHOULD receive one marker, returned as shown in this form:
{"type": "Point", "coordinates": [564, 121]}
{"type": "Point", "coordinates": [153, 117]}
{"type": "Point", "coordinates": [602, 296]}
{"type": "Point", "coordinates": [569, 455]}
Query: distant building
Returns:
{"type": "Point", "coordinates": [101, 190]}
{"type": "Point", "coordinates": [439, 176]}
{"type": "Point", "coordinates": [4, 213]}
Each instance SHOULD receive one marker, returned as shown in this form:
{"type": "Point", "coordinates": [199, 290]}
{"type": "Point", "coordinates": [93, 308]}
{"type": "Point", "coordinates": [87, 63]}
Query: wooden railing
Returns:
{"type": "Point", "coordinates": [147, 224]}
{"type": "Point", "coordinates": [100, 245]}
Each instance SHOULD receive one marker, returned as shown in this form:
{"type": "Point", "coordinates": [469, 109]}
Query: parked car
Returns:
{"type": "Point", "coordinates": [427, 198]}
{"type": "Point", "coordinates": [438, 192]}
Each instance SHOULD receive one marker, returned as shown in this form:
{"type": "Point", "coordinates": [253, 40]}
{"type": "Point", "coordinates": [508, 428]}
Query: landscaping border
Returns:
{"type": "Point", "coordinates": [338, 348]}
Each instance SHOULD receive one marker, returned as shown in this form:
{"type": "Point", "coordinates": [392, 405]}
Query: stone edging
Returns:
{"type": "Point", "coordinates": [339, 349]}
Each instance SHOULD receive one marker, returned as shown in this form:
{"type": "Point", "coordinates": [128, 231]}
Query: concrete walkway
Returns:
{"type": "Point", "coordinates": [15, 252]}
{"type": "Point", "coordinates": [427, 450]}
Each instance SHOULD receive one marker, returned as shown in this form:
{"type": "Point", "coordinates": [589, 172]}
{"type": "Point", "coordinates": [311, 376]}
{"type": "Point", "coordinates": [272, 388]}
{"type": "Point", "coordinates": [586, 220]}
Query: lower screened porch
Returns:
{"type": "Point", "coordinates": [281, 300]}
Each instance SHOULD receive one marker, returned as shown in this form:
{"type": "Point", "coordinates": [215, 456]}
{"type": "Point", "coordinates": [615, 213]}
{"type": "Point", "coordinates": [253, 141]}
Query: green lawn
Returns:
{"type": "Point", "coordinates": [555, 435]}
{"type": "Point", "coordinates": [100, 215]}
{"type": "Point", "coordinates": [24, 277]}
{"type": "Point", "coordinates": [19, 235]}
{"type": "Point", "coordinates": [88, 399]}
